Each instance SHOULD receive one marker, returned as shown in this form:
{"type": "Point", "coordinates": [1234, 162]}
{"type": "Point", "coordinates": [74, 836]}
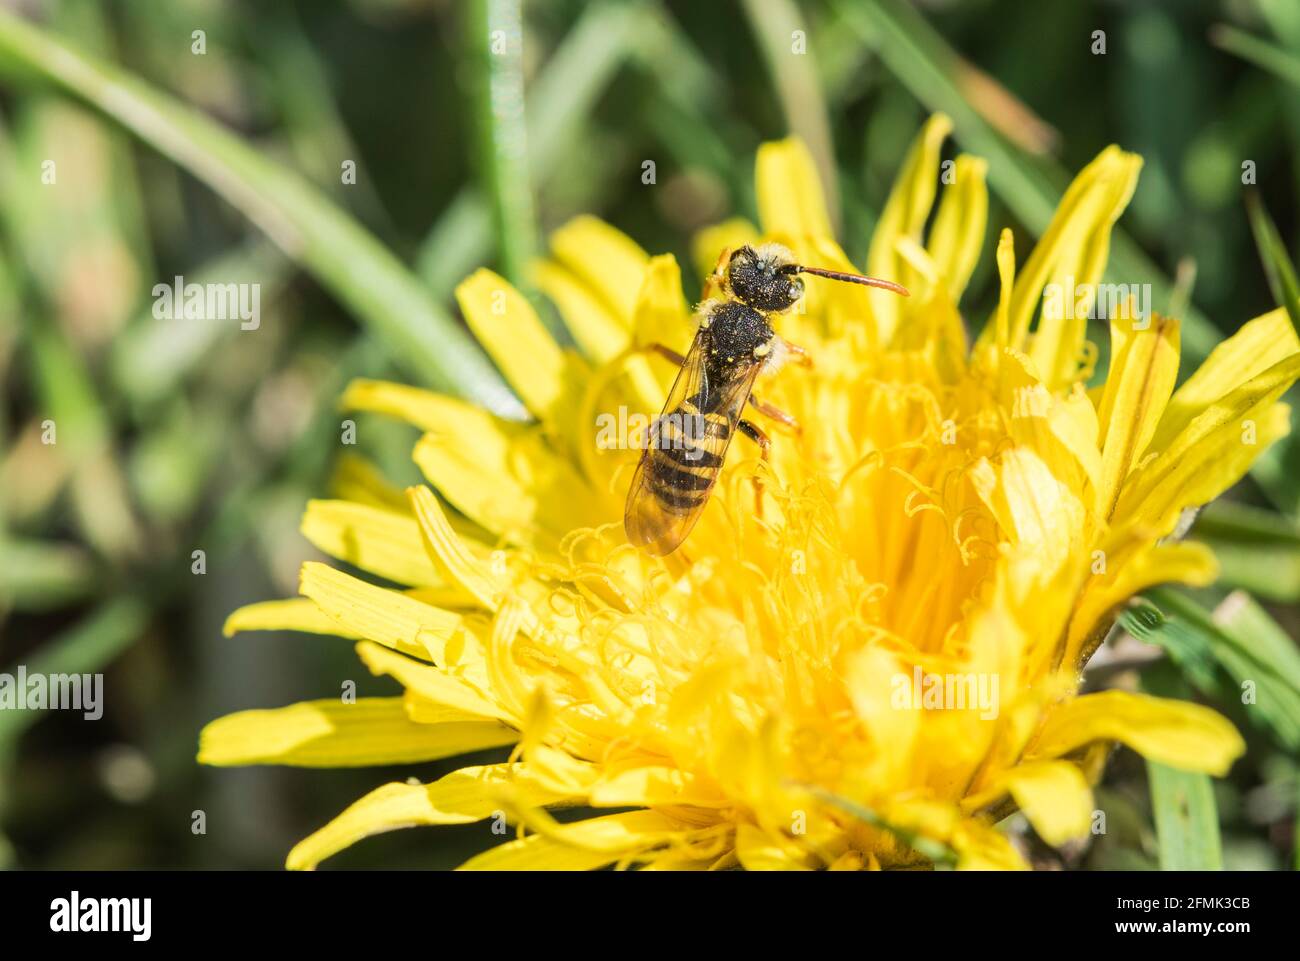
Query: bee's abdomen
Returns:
{"type": "Point", "coordinates": [685, 456]}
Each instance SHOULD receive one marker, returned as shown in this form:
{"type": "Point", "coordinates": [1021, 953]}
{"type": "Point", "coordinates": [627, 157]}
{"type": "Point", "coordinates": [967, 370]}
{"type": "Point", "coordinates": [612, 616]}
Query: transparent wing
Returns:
{"type": "Point", "coordinates": [685, 449]}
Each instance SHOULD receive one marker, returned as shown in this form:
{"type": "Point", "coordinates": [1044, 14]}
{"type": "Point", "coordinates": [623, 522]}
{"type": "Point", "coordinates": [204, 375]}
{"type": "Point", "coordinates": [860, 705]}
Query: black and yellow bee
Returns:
{"type": "Point", "coordinates": [734, 344]}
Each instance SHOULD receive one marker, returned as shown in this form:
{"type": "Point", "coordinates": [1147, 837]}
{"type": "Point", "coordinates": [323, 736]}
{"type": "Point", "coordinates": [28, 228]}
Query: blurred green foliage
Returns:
{"type": "Point", "coordinates": [176, 437]}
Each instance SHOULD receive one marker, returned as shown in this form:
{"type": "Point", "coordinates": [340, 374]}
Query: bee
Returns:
{"type": "Point", "coordinates": [734, 344]}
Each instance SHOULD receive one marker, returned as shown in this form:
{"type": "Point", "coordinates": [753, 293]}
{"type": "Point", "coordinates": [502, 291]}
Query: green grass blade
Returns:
{"type": "Point", "coordinates": [1237, 654]}
{"type": "Point", "coordinates": [344, 257]}
{"type": "Point", "coordinates": [494, 38]}
{"type": "Point", "coordinates": [1187, 819]}
{"type": "Point", "coordinates": [1283, 17]}
{"type": "Point", "coordinates": [1258, 550]}
{"type": "Point", "coordinates": [38, 575]}
{"type": "Point", "coordinates": [1255, 50]}
{"type": "Point", "coordinates": [1274, 256]}
{"type": "Point", "coordinates": [559, 104]}
{"type": "Point", "coordinates": [1182, 802]}
{"type": "Point", "coordinates": [461, 239]}
{"type": "Point", "coordinates": [83, 438]}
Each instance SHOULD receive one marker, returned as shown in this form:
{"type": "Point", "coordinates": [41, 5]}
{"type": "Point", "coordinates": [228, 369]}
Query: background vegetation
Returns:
{"type": "Point", "coordinates": [177, 436]}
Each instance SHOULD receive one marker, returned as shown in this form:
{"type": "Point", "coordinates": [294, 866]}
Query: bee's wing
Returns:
{"type": "Point", "coordinates": [684, 451]}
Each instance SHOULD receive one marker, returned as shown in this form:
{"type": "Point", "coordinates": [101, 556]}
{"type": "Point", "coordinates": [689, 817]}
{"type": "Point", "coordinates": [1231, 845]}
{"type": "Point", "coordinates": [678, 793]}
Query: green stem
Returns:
{"type": "Point", "coordinates": [559, 106]}
{"type": "Point", "coordinates": [495, 40]}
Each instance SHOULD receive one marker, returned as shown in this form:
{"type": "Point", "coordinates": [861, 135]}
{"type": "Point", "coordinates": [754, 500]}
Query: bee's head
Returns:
{"type": "Point", "coordinates": [764, 278]}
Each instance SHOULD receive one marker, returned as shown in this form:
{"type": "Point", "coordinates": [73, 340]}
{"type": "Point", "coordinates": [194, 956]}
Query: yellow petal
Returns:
{"type": "Point", "coordinates": [790, 198]}
{"type": "Point", "coordinates": [580, 846]}
{"type": "Point", "coordinates": [709, 243]}
{"type": "Point", "coordinates": [1211, 452]}
{"type": "Point", "coordinates": [1075, 258]}
{"type": "Point", "coordinates": [594, 326]}
{"type": "Point", "coordinates": [1143, 369]}
{"type": "Point", "coordinates": [872, 679]}
{"type": "Point", "coordinates": [760, 851]}
{"type": "Point", "coordinates": [980, 847]}
{"type": "Point", "coordinates": [1035, 510]}
{"type": "Point", "coordinates": [607, 261]}
{"type": "Point", "coordinates": [1072, 251]}
{"type": "Point", "coordinates": [511, 687]}
{"type": "Point", "coordinates": [331, 733]}
{"type": "Point", "coordinates": [1205, 474]}
{"type": "Point", "coordinates": [1036, 270]}
{"type": "Point", "coordinates": [475, 459]}
{"type": "Point", "coordinates": [424, 409]}
{"type": "Point", "coordinates": [505, 477]}
{"type": "Point", "coordinates": [958, 233]}
{"type": "Point", "coordinates": [843, 308]}
{"type": "Point", "coordinates": [422, 711]}
{"type": "Point", "coordinates": [374, 539]}
{"type": "Point", "coordinates": [431, 683]}
{"type": "Point", "coordinates": [1249, 352]}
{"type": "Point", "coordinates": [1124, 577]}
{"type": "Point", "coordinates": [441, 543]}
{"type": "Point", "coordinates": [933, 324]}
{"type": "Point", "coordinates": [295, 614]}
{"type": "Point", "coordinates": [1177, 733]}
{"type": "Point", "coordinates": [377, 613]}
{"type": "Point", "coordinates": [505, 323]}
{"type": "Point", "coordinates": [461, 797]}
{"type": "Point", "coordinates": [997, 332]}
{"type": "Point", "coordinates": [1055, 796]}
{"type": "Point", "coordinates": [558, 771]}
{"type": "Point", "coordinates": [1073, 421]}
{"type": "Point", "coordinates": [904, 216]}
{"type": "Point", "coordinates": [662, 315]}
{"type": "Point", "coordinates": [652, 786]}
{"type": "Point", "coordinates": [671, 861]}
{"type": "Point", "coordinates": [357, 479]}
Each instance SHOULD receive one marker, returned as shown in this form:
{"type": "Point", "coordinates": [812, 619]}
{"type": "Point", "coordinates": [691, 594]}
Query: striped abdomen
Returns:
{"type": "Point", "coordinates": [684, 455]}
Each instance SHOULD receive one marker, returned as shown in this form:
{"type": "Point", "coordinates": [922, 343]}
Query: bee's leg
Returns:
{"type": "Point", "coordinates": [764, 451]}
{"type": "Point", "coordinates": [798, 355]}
{"type": "Point", "coordinates": [757, 436]}
{"type": "Point", "coordinates": [715, 283]}
{"type": "Point", "coordinates": [777, 414]}
{"type": "Point", "coordinates": [667, 353]}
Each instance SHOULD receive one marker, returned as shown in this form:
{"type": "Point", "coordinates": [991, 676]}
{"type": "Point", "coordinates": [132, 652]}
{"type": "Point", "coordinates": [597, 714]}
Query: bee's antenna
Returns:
{"type": "Point", "coordinates": [850, 278]}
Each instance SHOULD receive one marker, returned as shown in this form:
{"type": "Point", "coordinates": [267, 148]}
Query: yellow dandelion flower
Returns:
{"type": "Point", "coordinates": [865, 674]}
